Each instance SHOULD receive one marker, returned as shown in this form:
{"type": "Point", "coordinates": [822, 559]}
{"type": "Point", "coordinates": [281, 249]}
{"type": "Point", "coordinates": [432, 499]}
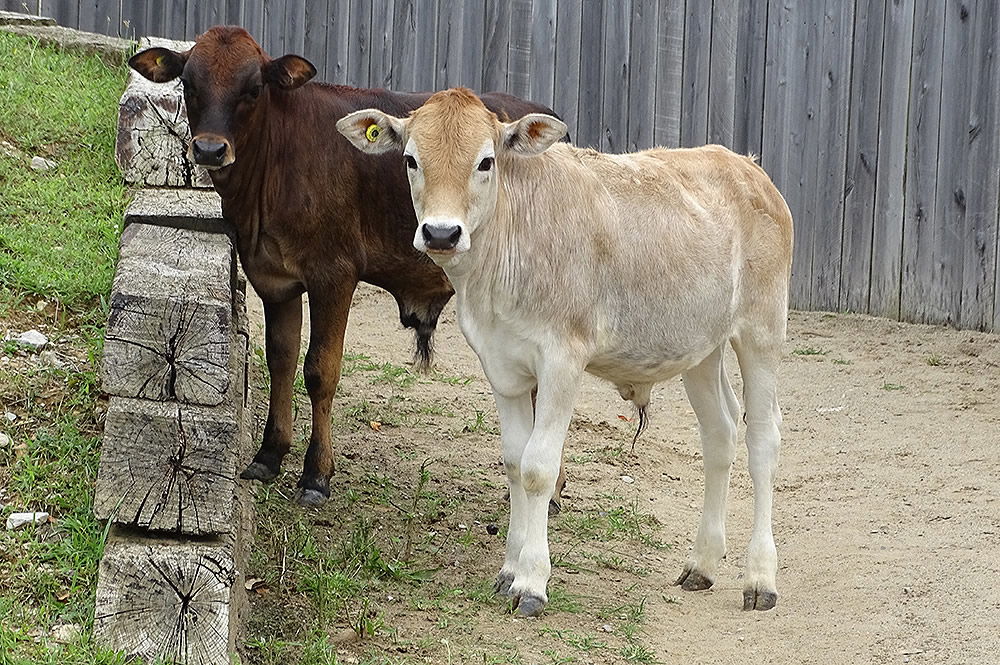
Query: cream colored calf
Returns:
{"type": "Point", "coordinates": [634, 268]}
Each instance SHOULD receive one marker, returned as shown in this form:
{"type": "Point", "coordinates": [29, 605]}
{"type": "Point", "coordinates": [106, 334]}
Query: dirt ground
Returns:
{"type": "Point", "coordinates": [885, 515]}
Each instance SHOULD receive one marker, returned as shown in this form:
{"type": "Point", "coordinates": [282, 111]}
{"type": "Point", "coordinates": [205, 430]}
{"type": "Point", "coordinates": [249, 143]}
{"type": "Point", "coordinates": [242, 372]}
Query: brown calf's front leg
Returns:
{"type": "Point", "coordinates": [282, 328]}
{"type": "Point", "coordinates": [328, 310]}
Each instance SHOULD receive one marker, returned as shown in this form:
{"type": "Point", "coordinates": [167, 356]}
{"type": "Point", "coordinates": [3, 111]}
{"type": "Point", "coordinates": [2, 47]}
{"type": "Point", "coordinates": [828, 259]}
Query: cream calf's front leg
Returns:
{"type": "Point", "coordinates": [532, 476]}
{"type": "Point", "coordinates": [516, 420]}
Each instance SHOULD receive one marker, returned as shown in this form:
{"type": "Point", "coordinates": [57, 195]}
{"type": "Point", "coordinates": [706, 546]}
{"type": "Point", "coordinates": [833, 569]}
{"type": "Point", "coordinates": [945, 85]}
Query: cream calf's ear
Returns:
{"type": "Point", "coordinates": [372, 131]}
{"type": "Point", "coordinates": [532, 134]}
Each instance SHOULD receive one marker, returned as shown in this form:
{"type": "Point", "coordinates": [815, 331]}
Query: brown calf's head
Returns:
{"type": "Point", "coordinates": [451, 145]}
{"type": "Point", "coordinates": [226, 78]}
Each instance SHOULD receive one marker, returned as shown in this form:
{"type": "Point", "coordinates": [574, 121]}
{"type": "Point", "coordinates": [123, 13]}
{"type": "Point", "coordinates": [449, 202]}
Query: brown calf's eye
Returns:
{"type": "Point", "coordinates": [486, 164]}
{"type": "Point", "coordinates": [410, 162]}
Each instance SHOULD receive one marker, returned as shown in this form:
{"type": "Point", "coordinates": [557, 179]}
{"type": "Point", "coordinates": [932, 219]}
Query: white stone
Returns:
{"type": "Point", "coordinates": [628, 480]}
{"type": "Point", "coordinates": [17, 520]}
{"type": "Point", "coordinates": [5, 441]}
{"type": "Point", "coordinates": [64, 633]}
{"type": "Point", "coordinates": [42, 164]}
{"type": "Point", "coordinates": [32, 338]}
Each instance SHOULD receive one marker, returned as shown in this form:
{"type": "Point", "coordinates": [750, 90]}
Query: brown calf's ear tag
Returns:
{"type": "Point", "coordinates": [372, 132]}
{"type": "Point", "coordinates": [159, 61]}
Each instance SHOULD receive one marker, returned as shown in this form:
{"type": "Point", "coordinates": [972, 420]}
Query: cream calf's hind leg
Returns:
{"type": "Point", "coordinates": [516, 420]}
{"type": "Point", "coordinates": [758, 365]}
{"type": "Point", "coordinates": [715, 405]}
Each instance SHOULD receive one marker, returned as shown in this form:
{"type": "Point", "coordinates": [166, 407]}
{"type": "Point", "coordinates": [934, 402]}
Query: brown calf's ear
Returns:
{"type": "Point", "coordinates": [532, 134]}
{"type": "Point", "coordinates": [372, 131]}
{"type": "Point", "coordinates": [159, 64]}
{"type": "Point", "coordinates": [288, 72]}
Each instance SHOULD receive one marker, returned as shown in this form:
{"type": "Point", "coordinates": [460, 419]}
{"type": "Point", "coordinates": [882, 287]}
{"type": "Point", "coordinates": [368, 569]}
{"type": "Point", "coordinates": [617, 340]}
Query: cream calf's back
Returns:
{"type": "Point", "coordinates": [641, 264]}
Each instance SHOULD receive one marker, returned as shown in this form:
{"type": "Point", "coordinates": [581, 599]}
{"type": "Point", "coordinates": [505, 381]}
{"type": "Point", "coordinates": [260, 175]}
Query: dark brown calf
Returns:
{"type": "Point", "coordinates": [311, 214]}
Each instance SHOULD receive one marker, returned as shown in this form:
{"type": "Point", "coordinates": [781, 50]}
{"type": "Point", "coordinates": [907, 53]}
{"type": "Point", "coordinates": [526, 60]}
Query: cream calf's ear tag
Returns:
{"type": "Point", "coordinates": [372, 132]}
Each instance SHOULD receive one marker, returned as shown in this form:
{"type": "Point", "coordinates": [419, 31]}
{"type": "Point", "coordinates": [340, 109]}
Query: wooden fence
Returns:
{"type": "Point", "coordinates": [878, 119]}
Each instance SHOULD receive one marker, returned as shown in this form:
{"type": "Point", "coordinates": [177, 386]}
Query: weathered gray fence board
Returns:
{"type": "Point", "coordinates": [722, 73]}
{"type": "Point", "coordinates": [542, 65]}
{"type": "Point", "coordinates": [979, 272]}
{"type": "Point", "coordinates": [919, 272]}
{"type": "Point", "coordinates": [295, 29]}
{"type": "Point", "coordinates": [751, 49]}
{"type": "Point", "coordinates": [669, 73]}
{"type": "Point", "coordinates": [695, 85]}
{"type": "Point", "coordinates": [642, 61]}
{"type": "Point", "coordinates": [380, 68]}
{"type": "Point", "coordinates": [836, 25]}
{"type": "Point", "coordinates": [496, 38]}
{"type": "Point", "coordinates": [862, 156]}
{"type": "Point", "coordinates": [614, 111]}
{"type": "Point", "coordinates": [450, 45]}
{"type": "Point", "coordinates": [894, 120]}
{"type": "Point", "coordinates": [65, 12]}
{"type": "Point", "coordinates": [338, 40]}
{"type": "Point", "coordinates": [314, 37]}
{"type": "Point", "coordinates": [404, 35]}
{"type": "Point", "coordinates": [588, 119]}
{"type": "Point", "coordinates": [427, 15]}
{"type": "Point", "coordinates": [519, 46]}
{"type": "Point", "coordinates": [359, 37]}
{"type": "Point", "coordinates": [470, 71]}
{"type": "Point", "coordinates": [566, 100]}
{"type": "Point", "coordinates": [102, 16]}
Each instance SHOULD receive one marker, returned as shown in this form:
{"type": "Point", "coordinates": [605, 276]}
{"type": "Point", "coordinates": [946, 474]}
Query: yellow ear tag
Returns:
{"type": "Point", "coordinates": [372, 132]}
{"type": "Point", "coordinates": [159, 61]}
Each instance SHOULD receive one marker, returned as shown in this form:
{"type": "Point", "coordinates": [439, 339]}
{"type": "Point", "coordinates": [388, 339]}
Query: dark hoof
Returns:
{"type": "Point", "coordinates": [529, 606]}
{"type": "Point", "coordinates": [259, 471]}
{"type": "Point", "coordinates": [759, 600]}
{"type": "Point", "coordinates": [308, 498]}
{"type": "Point", "coordinates": [692, 580]}
{"type": "Point", "coordinates": [555, 507]}
{"type": "Point", "coordinates": [502, 583]}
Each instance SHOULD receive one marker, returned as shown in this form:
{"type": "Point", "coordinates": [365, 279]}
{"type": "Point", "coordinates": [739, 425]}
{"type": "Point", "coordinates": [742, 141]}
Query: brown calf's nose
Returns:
{"type": "Point", "coordinates": [209, 153]}
{"type": "Point", "coordinates": [441, 237]}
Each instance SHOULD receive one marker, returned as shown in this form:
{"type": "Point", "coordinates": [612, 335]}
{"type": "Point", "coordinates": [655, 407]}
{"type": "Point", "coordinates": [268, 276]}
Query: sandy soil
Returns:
{"type": "Point", "coordinates": [886, 512]}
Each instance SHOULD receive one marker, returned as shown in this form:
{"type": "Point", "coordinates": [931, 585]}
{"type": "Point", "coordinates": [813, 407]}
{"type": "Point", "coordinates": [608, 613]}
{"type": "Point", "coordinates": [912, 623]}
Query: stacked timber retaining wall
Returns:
{"type": "Point", "coordinates": [179, 421]}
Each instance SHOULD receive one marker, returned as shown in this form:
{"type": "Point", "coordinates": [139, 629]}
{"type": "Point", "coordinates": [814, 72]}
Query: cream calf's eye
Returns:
{"type": "Point", "coordinates": [486, 164]}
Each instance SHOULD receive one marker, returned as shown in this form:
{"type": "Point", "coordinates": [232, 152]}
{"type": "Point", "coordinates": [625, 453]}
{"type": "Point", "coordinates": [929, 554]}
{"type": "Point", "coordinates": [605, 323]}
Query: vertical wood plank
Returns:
{"type": "Point", "coordinates": [542, 66]}
{"type": "Point", "coordinates": [234, 12]}
{"type": "Point", "coordinates": [669, 73]}
{"type": "Point", "coordinates": [751, 50]}
{"type": "Point", "coordinates": [66, 12]}
{"type": "Point", "coordinates": [337, 40]}
{"type": "Point", "coordinates": [497, 31]}
{"type": "Point", "coordinates": [380, 69]}
{"type": "Point", "coordinates": [200, 16]}
{"type": "Point", "coordinates": [404, 30]}
{"type": "Point", "coordinates": [836, 31]}
{"type": "Point", "coordinates": [614, 112]}
{"type": "Point", "coordinates": [917, 298]}
{"type": "Point", "coordinates": [696, 73]}
{"type": "Point", "coordinates": [862, 156]}
{"type": "Point", "coordinates": [591, 76]}
{"type": "Point", "coordinates": [473, 29]}
{"type": "Point", "coordinates": [565, 95]}
{"type": "Point", "coordinates": [982, 227]}
{"type": "Point", "coordinates": [133, 19]}
{"type": "Point", "coordinates": [642, 64]}
{"type": "Point", "coordinates": [316, 21]}
{"type": "Point", "coordinates": [101, 16]}
{"type": "Point", "coordinates": [722, 73]}
{"type": "Point", "coordinates": [449, 43]}
{"type": "Point", "coordinates": [295, 27]}
{"type": "Point", "coordinates": [172, 20]}
{"type": "Point", "coordinates": [274, 28]}
{"type": "Point", "coordinates": [894, 119]}
{"type": "Point", "coordinates": [427, 13]}
{"type": "Point", "coordinates": [519, 52]}
{"type": "Point", "coordinates": [253, 18]}
{"type": "Point", "coordinates": [359, 36]}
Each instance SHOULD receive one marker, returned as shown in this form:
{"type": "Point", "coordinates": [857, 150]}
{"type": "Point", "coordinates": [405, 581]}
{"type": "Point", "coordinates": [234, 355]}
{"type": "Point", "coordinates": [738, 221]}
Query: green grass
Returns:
{"type": "Point", "coordinates": [58, 243]}
{"type": "Point", "coordinates": [59, 228]}
{"type": "Point", "coordinates": [809, 351]}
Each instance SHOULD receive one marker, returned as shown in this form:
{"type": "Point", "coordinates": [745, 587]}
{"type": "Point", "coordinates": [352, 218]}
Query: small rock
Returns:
{"type": "Point", "coordinates": [463, 527]}
{"type": "Point", "coordinates": [628, 480]}
{"type": "Point", "coordinates": [50, 359]}
{"type": "Point", "coordinates": [10, 417]}
{"type": "Point", "coordinates": [33, 339]}
{"type": "Point", "coordinates": [5, 441]}
{"type": "Point", "coordinates": [492, 529]}
{"type": "Point", "coordinates": [41, 305]}
{"type": "Point", "coordinates": [42, 164]}
{"type": "Point", "coordinates": [16, 520]}
{"type": "Point", "coordinates": [65, 633]}
{"type": "Point", "coordinates": [344, 636]}
{"type": "Point", "coordinates": [607, 628]}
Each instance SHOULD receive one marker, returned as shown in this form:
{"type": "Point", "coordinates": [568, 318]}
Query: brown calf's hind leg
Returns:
{"type": "Point", "coordinates": [282, 328]}
{"type": "Point", "coordinates": [328, 311]}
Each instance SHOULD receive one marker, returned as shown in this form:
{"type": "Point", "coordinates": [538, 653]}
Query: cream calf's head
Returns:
{"type": "Point", "coordinates": [451, 145]}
